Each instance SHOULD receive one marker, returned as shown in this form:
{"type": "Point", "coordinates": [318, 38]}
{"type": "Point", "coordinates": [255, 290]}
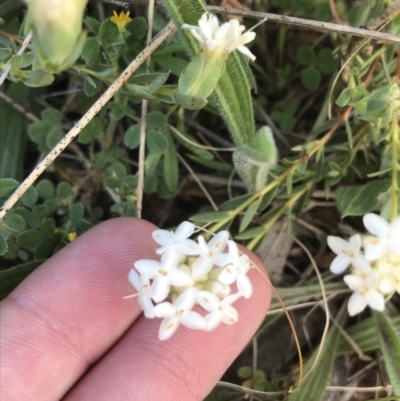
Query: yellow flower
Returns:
{"type": "Point", "coordinates": [71, 236]}
{"type": "Point", "coordinates": [121, 20]}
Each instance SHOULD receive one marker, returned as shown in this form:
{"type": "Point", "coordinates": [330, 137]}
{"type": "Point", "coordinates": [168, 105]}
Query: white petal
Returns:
{"type": "Point", "coordinates": [355, 283]}
{"type": "Point", "coordinates": [355, 243]}
{"type": "Point", "coordinates": [189, 247]}
{"type": "Point", "coordinates": [246, 51]}
{"type": "Point", "coordinates": [165, 309]}
{"type": "Point", "coordinates": [218, 242]}
{"type": "Point", "coordinates": [361, 264]}
{"type": "Point", "coordinates": [134, 279]}
{"type": "Point", "coordinates": [229, 315]}
{"type": "Point", "coordinates": [375, 300]}
{"type": "Point", "coordinates": [222, 290]}
{"type": "Point", "coordinates": [212, 320]}
{"type": "Point", "coordinates": [147, 266]}
{"type": "Point", "coordinates": [224, 259]}
{"type": "Point", "coordinates": [162, 237]}
{"type": "Point", "coordinates": [186, 300]}
{"type": "Point", "coordinates": [148, 307]}
{"type": "Point", "coordinates": [228, 275]}
{"type": "Point", "coordinates": [375, 250]}
{"type": "Point", "coordinates": [201, 267]}
{"type": "Point", "coordinates": [208, 301]}
{"type": "Point", "coordinates": [340, 263]}
{"type": "Point", "coordinates": [233, 249]}
{"type": "Point", "coordinates": [184, 230]}
{"type": "Point", "coordinates": [376, 225]}
{"type": "Point", "coordinates": [205, 28]}
{"type": "Point", "coordinates": [169, 260]}
{"type": "Point", "coordinates": [357, 304]}
{"type": "Point", "coordinates": [168, 327]}
{"type": "Point", "coordinates": [160, 288]}
{"type": "Point", "coordinates": [203, 247]}
{"type": "Point", "coordinates": [179, 278]}
{"type": "Point", "coordinates": [192, 320]}
{"type": "Point", "coordinates": [337, 244]}
{"type": "Point", "coordinates": [245, 286]}
{"type": "Point", "coordinates": [387, 285]}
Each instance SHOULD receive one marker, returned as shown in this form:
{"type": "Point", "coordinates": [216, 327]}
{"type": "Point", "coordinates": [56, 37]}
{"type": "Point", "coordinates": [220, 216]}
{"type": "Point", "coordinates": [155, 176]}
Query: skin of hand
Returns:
{"type": "Point", "coordinates": [66, 333]}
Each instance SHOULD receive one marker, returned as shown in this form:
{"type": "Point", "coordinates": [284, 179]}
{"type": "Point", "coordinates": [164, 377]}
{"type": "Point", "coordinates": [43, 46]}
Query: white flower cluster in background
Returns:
{"type": "Point", "coordinates": [191, 273]}
{"type": "Point", "coordinates": [374, 261]}
{"type": "Point", "coordinates": [219, 41]}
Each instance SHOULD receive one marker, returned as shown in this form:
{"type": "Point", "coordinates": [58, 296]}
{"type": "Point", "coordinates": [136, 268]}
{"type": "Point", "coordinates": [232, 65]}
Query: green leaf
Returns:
{"type": "Point", "coordinates": [3, 246]}
{"type": "Point", "coordinates": [76, 213]}
{"type": "Point", "coordinates": [51, 117]}
{"type": "Point", "coordinates": [29, 239]}
{"type": "Point", "coordinates": [44, 249]}
{"type": "Point", "coordinates": [52, 204]}
{"type": "Point", "coordinates": [7, 186]}
{"type": "Point", "coordinates": [137, 28]}
{"type": "Point", "coordinates": [189, 102]}
{"type": "Point", "coordinates": [210, 217]}
{"type": "Point", "coordinates": [173, 64]}
{"type": "Point", "coordinates": [344, 98]}
{"type": "Point", "coordinates": [171, 168]}
{"type": "Point", "coordinates": [38, 132]}
{"type": "Point", "coordinates": [16, 222]}
{"type": "Point", "coordinates": [235, 202]}
{"type": "Point", "coordinates": [45, 189]}
{"type": "Point", "coordinates": [360, 199]}
{"type": "Point", "coordinates": [41, 211]}
{"type": "Point", "coordinates": [248, 216]}
{"type": "Point", "coordinates": [326, 62]}
{"type": "Point", "coordinates": [13, 136]}
{"type": "Point", "coordinates": [30, 197]}
{"type": "Point", "coordinates": [390, 345]}
{"type": "Point", "coordinates": [38, 78]}
{"type": "Point", "coordinates": [151, 163]}
{"type": "Point", "coordinates": [10, 278]}
{"type": "Point", "coordinates": [91, 50]}
{"type": "Point", "coordinates": [64, 190]}
{"type": "Point", "coordinates": [93, 24]}
{"type": "Point", "coordinates": [48, 227]}
{"type": "Point", "coordinates": [5, 53]}
{"type": "Point", "coordinates": [316, 380]}
{"type": "Point", "coordinates": [156, 120]}
{"type": "Point", "coordinates": [158, 82]}
{"type": "Point", "coordinates": [108, 32]}
{"type": "Point", "coordinates": [156, 142]}
{"type": "Point", "coordinates": [132, 137]}
{"type": "Point", "coordinates": [311, 78]}
{"type": "Point", "coordinates": [54, 137]}
{"type": "Point", "coordinates": [306, 56]}
{"type": "Point", "coordinates": [250, 233]}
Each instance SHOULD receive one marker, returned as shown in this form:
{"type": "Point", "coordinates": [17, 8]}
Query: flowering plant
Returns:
{"type": "Point", "coordinates": [374, 261]}
{"type": "Point", "coordinates": [191, 273]}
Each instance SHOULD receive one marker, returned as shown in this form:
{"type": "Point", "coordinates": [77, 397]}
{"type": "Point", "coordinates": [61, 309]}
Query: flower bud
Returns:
{"type": "Point", "coordinates": [57, 32]}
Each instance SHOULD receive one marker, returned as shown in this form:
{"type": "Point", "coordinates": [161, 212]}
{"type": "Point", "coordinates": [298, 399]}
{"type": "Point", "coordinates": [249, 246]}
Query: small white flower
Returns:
{"type": "Point", "coordinates": [347, 253]}
{"type": "Point", "coordinates": [366, 292]}
{"type": "Point", "coordinates": [177, 241]}
{"type": "Point", "coordinates": [220, 289]}
{"type": "Point", "coordinates": [210, 253]}
{"type": "Point", "coordinates": [164, 274]}
{"type": "Point", "coordinates": [389, 269]}
{"type": "Point", "coordinates": [219, 41]}
{"type": "Point", "coordinates": [221, 310]}
{"type": "Point", "coordinates": [237, 270]}
{"type": "Point", "coordinates": [388, 236]}
{"type": "Point", "coordinates": [142, 286]}
{"type": "Point", "coordinates": [179, 313]}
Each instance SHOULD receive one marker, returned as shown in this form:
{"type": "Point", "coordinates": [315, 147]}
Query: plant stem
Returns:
{"type": "Point", "coordinates": [395, 170]}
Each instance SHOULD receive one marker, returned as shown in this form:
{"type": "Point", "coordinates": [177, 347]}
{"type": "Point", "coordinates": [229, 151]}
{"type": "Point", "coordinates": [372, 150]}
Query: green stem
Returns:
{"type": "Point", "coordinates": [8, 230]}
{"type": "Point", "coordinates": [395, 169]}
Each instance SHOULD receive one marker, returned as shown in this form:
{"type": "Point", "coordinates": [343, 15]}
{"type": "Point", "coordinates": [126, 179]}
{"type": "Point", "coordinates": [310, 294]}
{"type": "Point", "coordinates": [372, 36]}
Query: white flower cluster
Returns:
{"type": "Point", "coordinates": [219, 41]}
{"type": "Point", "coordinates": [374, 261]}
{"type": "Point", "coordinates": [191, 273]}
